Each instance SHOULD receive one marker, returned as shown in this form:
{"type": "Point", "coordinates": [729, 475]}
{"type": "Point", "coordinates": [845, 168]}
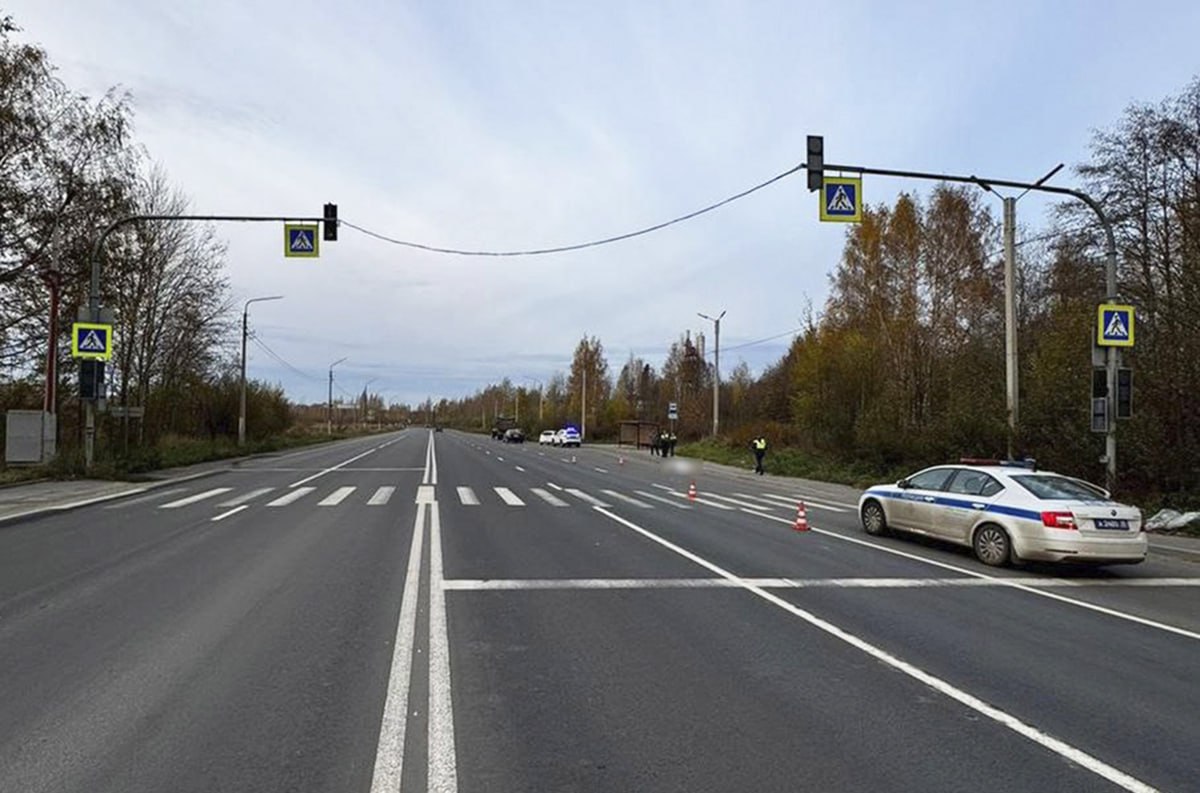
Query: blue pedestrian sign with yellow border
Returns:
{"type": "Point", "coordinates": [1114, 325]}
{"type": "Point", "coordinates": [301, 240]}
{"type": "Point", "coordinates": [841, 199]}
{"type": "Point", "coordinates": [91, 341]}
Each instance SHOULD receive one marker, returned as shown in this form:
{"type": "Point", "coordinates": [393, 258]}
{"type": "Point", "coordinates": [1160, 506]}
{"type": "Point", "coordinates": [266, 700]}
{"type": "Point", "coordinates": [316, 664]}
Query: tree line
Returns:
{"type": "Point", "coordinates": [69, 166]}
{"type": "Point", "coordinates": [904, 365]}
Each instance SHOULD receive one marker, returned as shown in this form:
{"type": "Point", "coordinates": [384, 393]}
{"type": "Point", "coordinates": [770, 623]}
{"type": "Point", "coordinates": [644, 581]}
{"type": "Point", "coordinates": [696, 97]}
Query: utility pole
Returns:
{"type": "Point", "coordinates": [1010, 319]}
{"type": "Point", "coordinates": [329, 414]}
{"type": "Point", "coordinates": [245, 333]}
{"type": "Point", "coordinates": [1011, 368]}
{"type": "Point", "coordinates": [583, 404]}
{"type": "Point", "coordinates": [716, 321]}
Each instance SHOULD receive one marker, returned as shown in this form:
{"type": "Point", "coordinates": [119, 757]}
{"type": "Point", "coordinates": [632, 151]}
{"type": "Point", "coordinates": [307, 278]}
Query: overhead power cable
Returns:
{"type": "Point", "coordinates": [577, 246]}
{"type": "Point", "coordinates": [279, 359]}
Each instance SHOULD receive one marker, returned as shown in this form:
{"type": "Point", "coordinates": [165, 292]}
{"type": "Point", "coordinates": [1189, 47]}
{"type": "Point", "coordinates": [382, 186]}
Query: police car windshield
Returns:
{"type": "Point", "coordinates": [1057, 487]}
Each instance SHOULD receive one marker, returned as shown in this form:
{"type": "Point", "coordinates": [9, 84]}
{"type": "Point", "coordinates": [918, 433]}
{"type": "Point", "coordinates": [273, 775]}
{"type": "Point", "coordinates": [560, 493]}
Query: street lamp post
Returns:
{"type": "Point", "coordinates": [245, 333]}
{"type": "Point", "coordinates": [716, 321]}
{"type": "Point", "coordinates": [329, 414]}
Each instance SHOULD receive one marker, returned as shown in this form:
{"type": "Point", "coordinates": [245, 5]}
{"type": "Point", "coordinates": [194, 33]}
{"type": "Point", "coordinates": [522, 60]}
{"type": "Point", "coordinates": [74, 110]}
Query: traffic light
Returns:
{"type": "Point", "coordinates": [1124, 393]}
{"type": "Point", "coordinates": [91, 379]}
{"type": "Point", "coordinates": [816, 162]}
{"type": "Point", "coordinates": [331, 223]}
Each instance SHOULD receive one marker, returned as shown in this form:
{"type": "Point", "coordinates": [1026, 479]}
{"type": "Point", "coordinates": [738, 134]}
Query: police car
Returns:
{"type": "Point", "coordinates": [1008, 512]}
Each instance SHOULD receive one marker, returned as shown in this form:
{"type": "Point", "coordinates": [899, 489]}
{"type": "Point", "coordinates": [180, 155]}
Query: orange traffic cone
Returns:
{"type": "Point", "coordinates": [692, 492]}
{"type": "Point", "coordinates": [801, 518]}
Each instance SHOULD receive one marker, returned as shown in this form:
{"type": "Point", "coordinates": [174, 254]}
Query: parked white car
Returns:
{"type": "Point", "coordinates": [1008, 512]}
{"type": "Point", "coordinates": [547, 437]}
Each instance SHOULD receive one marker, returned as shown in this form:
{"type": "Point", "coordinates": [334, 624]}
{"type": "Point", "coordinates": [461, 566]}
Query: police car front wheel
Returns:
{"type": "Point", "coordinates": [874, 521]}
{"type": "Point", "coordinates": [992, 546]}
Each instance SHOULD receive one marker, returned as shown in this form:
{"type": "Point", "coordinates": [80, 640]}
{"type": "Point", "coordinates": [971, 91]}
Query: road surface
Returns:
{"type": "Point", "coordinates": [440, 611]}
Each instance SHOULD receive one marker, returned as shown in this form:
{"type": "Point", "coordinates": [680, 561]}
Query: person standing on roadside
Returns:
{"type": "Point", "coordinates": [654, 445]}
{"type": "Point", "coordinates": [672, 439]}
{"type": "Point", "coordinates": [759, 445]}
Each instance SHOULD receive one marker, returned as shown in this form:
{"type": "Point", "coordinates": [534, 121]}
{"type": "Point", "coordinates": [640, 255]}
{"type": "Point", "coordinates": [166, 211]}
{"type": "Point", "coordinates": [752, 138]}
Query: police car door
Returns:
{"type": "Point", "coordinates": [968, 494]}
{"type": "Point", "coordinates": [918, 501]}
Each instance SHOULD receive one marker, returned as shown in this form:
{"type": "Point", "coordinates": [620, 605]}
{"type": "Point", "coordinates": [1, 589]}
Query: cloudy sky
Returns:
{"type": "Point", "coordinates": [512, 125]}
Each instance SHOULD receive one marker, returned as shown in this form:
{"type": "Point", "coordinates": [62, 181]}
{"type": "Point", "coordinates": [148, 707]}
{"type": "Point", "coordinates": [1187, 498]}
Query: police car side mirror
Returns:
{"type": "Point", "coordinates": [903, 484]}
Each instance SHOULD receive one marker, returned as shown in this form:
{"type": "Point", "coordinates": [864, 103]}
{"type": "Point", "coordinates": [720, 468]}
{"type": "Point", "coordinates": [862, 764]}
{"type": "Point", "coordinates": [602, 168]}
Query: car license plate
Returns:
{"type": "Point", "coordinates": [1107, 523]}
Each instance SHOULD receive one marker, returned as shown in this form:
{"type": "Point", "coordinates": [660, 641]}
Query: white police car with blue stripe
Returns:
{"type": "Point", "coordinates": [1008, 512]}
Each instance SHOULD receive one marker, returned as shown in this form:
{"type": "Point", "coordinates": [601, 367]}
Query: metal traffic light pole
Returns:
{"type": "Point", "coordinates": [815, 164]}
{"type": "Point", "coordinates": [329, 217]}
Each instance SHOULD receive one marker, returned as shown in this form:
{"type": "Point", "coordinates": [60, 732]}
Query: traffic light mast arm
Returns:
{"type": "Point", "coordinates": [94, 293]}
{"type": "Point", "coordinates": [1110, 240]}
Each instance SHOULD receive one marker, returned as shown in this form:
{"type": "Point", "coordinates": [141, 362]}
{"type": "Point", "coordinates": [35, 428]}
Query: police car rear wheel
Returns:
{"type": "Point", "coordinates": [992, 546]}
{"type": "Point", "coordinates": [873, 520]}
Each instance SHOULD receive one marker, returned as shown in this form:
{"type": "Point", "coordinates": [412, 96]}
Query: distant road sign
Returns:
{"type": "Point", "coordinates": [1114, 325]}
{"type": "Point", "coordinates": [673, 412]}
{"type": "Point", "coordinates": [91, 341]}
{"type": "Point", "coordinates": [301, 240]}
{"type": "Point", "coordinates": [841, 199]}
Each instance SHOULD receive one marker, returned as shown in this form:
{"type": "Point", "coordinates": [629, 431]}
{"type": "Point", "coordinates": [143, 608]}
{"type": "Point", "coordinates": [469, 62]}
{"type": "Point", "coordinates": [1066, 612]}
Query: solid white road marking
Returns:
{"type": "Point", "coordinates": [233, 511]}
{"type": "Point", "coordinates": [1071, 753]}
{"type": "Point", "coordinates": [556, 487]}
{"type": "Point", "coordinates": [662, 500]}
{"type": "Point", "coordinates": [548, 497]}
{"type": "Point", "coordinates": [509, 497]}
{"type": "Point", "coordinates": [443, 763]}
{"type": "Point", "coordinates": [626, 499]}
{"type": "Point", "coordinates": [289, 497]}
{"type": "Point", "coordinates": [389, 757]}
{"type": "Point", "coordinates": [324, 471]}
{"type": "Point", "coordinates": [425, 494]}
{"type": "Point", "coordinates": [601, 470]}
{"type": "Point", "coordinates": [183, 502]}
{"type": "Point", "coordinates": [381, 496]}
{"type": "Point", "coordinates": [336, 497]}
{"type": "Point", "coordinates": [244, 497]}
{"type": "Point", "coordinates": [1014, 582]}
{"type": "Point", "coordinates": [467, 497]}
{"type": "Point", "coordinates": [582, 496]}
{"type": "Point", "coordinates": [489, 584]}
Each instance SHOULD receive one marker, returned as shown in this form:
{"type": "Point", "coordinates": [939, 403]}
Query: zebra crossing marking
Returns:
{"type": "Point", "coordinates": [294, 495]}
{"type": "Point", "coordinates": [336, 497]}
{"type": "Point", "coordinates": [626, 499]}
{"type": "Point", "coordinates": [509, 497]}
{"type": "Point", "coordinates": [548, 497]}
{"type": "Point", "coordinates": [382, 496]}
{"type": "Point", "coordinates": [237, 501]}
{"type": "Point", "coordinates": [207, 494]}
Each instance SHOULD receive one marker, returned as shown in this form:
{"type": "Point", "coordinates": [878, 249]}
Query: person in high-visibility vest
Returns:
{"type": "Point", "coordinates": [759, 445]}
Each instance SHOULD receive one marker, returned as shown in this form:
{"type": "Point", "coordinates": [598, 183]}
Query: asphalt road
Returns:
{"type": "Point", "coordinates": [440, 611]}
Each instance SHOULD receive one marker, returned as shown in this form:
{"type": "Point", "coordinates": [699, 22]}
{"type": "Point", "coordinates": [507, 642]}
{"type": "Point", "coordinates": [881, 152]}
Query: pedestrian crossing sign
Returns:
{"type": "Point", "coordinates": [300, 240]}
{"type": "Point", "coordinates": [841, 199]}
{"type": "Point", "coordinates": [1114, 325]}
{"type": "Point", "coordinates": [91, 341]}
